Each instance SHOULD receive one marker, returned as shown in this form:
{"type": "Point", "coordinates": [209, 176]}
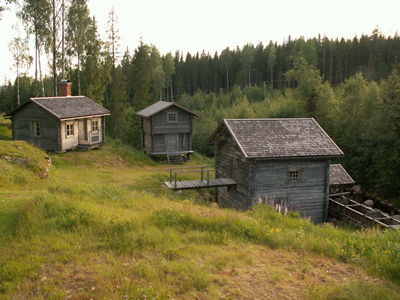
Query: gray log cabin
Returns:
{"type": "Point", "coordinates": [285, 159]}
{"type": "Point", "coordinates": [166, 128]}
{"type": "Point", "coordinates": [60, 123]}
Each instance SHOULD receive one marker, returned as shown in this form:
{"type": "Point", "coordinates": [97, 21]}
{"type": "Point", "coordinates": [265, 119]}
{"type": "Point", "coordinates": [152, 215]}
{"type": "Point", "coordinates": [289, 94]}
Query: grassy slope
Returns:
{"type": "Point", "coordinates": [103, 227]}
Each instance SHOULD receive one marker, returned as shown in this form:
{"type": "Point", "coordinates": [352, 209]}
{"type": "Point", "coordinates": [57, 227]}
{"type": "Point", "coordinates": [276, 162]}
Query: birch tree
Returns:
{"type": "Point", "coordinates": [78, 33]}
{"type": "Point", "coordinates": [35, 15]}
{"type": "Point", "coordinates": [22, 60]}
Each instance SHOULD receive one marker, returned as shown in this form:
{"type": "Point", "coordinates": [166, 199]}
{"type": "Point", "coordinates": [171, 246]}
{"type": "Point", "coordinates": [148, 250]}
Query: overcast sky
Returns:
{"type": "Point", "coordinates": [213, 25]}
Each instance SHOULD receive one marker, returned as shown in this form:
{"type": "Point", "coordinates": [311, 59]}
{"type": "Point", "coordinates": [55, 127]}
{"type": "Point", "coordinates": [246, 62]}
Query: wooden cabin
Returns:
{"type": "Point", "coordinates": [287, 160]}
{"type": "Point", "coordinates": [60, 123]}
{"type": "Point", "coordinates": [166, 129]}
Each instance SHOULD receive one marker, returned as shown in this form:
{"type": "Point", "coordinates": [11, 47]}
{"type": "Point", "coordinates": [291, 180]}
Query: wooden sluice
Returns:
{"type": "Point", "coordinates": [205, 180]}
{"type": "Point", "coordinates": [358, 214]}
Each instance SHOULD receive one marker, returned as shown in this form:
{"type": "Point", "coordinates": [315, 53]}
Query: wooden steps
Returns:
{"type": "Point", "coordinates": [175, 158]}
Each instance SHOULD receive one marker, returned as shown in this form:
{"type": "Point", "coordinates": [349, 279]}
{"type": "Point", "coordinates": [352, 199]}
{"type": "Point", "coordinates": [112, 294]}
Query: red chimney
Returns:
{"type": "Point", "coordinates": [65, 88]}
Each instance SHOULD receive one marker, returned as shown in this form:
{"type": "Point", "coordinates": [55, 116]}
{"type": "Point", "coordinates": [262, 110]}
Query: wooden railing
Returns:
{"type": "Point", "coordinates": [173, 175]}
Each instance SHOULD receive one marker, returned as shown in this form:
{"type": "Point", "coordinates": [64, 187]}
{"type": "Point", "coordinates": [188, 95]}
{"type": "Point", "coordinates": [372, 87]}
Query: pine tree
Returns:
{"type": "Point", "coordinates": [169, 69]}
{"type": "Point", "coordinates": [141, 75]}
{"type": "Point", "coordinates": [95, 75]}
{"type": "Point", "coordinates": [226, 64]}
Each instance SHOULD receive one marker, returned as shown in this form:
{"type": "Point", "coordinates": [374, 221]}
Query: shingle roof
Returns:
{"type": "Point", "coordinates": [338, 175]}
{"type": "Point", "coordinates": [157, 107]}
{"type": "Point", "coordinates": [68, 107]}
{"type": "Point", "coordinates": [279, 138]}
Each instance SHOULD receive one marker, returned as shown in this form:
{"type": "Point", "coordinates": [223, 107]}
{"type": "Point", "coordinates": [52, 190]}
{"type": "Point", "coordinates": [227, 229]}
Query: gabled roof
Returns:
{"type": "Point", "coordinates": [66, 107]}
{"type": "Point", "coordinates": [278, 138]}
{"type": "Point", "coordinates": [159, 106]}
{"type": "Point", "coordinates": [339, 176]}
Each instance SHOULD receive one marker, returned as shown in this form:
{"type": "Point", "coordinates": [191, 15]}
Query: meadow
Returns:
{"type": "Point", "coordinates": [103, 226]}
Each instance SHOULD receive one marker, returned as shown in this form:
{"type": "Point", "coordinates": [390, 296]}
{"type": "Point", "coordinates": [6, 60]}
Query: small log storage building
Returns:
{"type": "Point", "coordinates": [166, 128]}
{"type": "Point", "coordinates": [60, 123]}
{"type": "Point", "coordinates": [284, 159]}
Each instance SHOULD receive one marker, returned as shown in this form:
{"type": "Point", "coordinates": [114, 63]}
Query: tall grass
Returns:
{"type": "Point", "coordinates": [98, 232]}
{"type": "Point", "coordinates": [377, 251]}
{"type": "Point", "coordinates": [5, 128]}
{"type": "Point", "coordinates": [13, 176]}
{"type": "Point", "coordinates": [79, 223]}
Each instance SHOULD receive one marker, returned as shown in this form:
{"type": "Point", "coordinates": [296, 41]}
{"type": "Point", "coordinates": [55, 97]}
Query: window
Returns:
{"type": "Point", "coordinates": [69, 129]}
{"type": "Point", "coordinates": [35, 128]}
{"type": "Point", "coordinates": [294, 175]}
{"type": "Point", "coordinates": [172, 117]}
{"type": "Point", "coordinates": [95, 125]}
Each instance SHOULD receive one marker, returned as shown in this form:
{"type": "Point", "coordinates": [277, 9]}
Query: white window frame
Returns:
{"type": "Point", "coordinates": [95, 125]}
{"type": "Point", "coordinates": [69, 129]}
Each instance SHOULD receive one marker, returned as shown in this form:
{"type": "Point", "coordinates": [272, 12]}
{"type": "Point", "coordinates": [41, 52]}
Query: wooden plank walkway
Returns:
{"type": "Point", "coordinates": [198, 184]}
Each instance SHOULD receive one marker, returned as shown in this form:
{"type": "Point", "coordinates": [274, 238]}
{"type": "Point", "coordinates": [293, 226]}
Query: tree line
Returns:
{"type": "Point", "coordinates": [351, 87]}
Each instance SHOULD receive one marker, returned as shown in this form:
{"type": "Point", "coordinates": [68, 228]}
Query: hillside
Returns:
{"type": "Point", "coordinates": [102, 226]}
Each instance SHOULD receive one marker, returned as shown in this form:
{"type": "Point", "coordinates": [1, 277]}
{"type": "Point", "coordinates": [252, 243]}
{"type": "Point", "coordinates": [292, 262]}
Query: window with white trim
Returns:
{"type": "Point", "coordinates": [35, 128]}
{"type": "Point", "coordinates": [69, 129]}
{"type": "Point", "coordinates": [172, 117]}
{"type": "Point", "coordinates": [294, 175]}
{"type": "Point", "coordinates": [95, 125]}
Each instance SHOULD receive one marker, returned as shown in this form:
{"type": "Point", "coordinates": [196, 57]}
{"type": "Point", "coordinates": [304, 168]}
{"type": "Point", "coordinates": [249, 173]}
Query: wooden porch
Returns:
{"type": "Point", "coordinates": [204, 182]}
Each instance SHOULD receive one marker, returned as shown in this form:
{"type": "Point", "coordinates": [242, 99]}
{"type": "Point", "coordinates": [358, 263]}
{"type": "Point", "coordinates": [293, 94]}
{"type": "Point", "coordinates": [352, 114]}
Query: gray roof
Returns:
{"type": "Point", "coordinates": [279, 138]}
{"type": "Point", "coordinates": [339, 176]}
{"type": "Point", "coordinates": [157, 107]}
{"type": "Point", "coordinates": [67, 107]}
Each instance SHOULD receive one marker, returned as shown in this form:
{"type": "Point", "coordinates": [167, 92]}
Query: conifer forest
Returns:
{"type": "Point", "coordinates": [350, 86]}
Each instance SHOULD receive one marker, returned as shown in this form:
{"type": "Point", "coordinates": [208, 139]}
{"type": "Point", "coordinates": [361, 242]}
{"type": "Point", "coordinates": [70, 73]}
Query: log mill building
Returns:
{"type": "Point", "coordinates": [284, 159]}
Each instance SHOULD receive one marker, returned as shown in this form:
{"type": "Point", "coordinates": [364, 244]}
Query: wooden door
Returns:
{"type": "Point", "coordinates": [171, 141]}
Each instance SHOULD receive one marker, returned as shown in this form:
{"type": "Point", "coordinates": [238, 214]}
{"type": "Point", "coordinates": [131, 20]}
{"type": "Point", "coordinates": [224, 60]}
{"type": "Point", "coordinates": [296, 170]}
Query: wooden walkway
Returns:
{"type": "Point", "coordinates": [198, 184]}
{"type": "Point", "coordinates": [204, 182]}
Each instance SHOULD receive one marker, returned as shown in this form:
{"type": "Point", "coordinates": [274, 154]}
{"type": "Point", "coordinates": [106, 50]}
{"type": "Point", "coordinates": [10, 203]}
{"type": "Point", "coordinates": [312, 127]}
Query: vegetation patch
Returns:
{"type": "Point", "coordinates": [99, 231]}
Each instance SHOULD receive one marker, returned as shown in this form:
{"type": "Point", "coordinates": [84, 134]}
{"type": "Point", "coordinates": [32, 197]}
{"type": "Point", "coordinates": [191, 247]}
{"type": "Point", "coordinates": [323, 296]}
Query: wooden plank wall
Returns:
{"type": "Point", "coordinates": [231, 164]}
{"type": "Point", "coordinates": [21, 127]}
{"type": "Point", "coordinates": [69, 142]}
{"type": "Point", "coordinates": [161, 126]}
{"type": "Point", "coordinates": [271, 180]}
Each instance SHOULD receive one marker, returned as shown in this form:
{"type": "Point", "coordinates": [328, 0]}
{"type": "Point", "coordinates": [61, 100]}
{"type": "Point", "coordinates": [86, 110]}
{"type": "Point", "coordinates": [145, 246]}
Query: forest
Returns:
{"type": "Point", "coordinates": [350, 86]}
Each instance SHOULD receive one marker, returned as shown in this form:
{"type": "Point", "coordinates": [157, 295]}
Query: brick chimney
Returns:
{"type": "Point", "coordinates": [65, 88]}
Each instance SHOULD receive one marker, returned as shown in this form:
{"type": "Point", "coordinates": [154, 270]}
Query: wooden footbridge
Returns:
{"type": "Point", "coordinates": [205, 181]}
{"type": "Point", "coordinates": [359, 214]}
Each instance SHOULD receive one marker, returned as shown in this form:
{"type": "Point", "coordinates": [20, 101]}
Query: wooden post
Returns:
{"type": "Point", "coordinates": [175, 178]}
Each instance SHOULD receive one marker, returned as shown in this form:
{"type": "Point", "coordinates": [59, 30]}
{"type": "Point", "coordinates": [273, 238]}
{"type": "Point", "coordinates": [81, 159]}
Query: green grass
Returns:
{"type": "Point", "coordinates": [5, 128]}
{"type": "Point", "coordinates": [103, 227]}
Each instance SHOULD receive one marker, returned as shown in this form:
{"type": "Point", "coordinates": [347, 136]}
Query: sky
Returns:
{"type": "Point", "coordinates": [212, 25]}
